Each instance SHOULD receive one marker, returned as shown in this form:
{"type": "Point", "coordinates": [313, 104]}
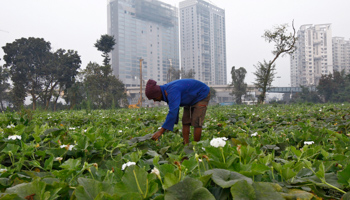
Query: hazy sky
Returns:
{"type": "Point", "coordinates": [77, 24]}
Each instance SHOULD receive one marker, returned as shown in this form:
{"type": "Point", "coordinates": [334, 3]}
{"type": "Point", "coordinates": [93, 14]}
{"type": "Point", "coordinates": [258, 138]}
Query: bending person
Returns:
{"type": "Point", "coordinates": [191, 94]}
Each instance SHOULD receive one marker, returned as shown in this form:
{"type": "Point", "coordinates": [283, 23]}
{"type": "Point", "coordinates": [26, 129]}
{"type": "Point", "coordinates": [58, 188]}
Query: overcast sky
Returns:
{"type": "Point", "coordinates": [77, 24]}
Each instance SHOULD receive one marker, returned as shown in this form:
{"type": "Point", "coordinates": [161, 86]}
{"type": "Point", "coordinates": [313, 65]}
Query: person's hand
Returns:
{"type": "Point", "coordinates": [157, 134]}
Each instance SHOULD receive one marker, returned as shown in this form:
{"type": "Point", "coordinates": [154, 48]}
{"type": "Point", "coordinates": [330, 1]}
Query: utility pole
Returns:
{"type": "Point", "coordinates": [141, 82]}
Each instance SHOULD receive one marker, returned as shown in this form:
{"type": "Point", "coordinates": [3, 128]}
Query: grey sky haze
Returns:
{"type": "Point", "coordinates": [77, 24]}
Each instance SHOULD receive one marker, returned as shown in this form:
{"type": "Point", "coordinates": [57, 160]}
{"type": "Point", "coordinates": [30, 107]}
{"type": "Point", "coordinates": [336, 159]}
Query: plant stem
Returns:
{"type": "Point", "coordinates": [332, 186]}
{"type": "Point", "coordinates": [222, 152]}
{"type": "Point", "coordinates": [138, 185]}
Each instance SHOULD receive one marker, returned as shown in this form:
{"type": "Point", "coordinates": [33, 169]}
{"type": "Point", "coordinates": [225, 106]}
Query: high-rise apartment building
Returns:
{"type": "Point", "coordinates": [313, 57]}
{"type": "Point", "coordinates": [341, 54]}
{"type": "Point", "coordinates": [203, 41]}
{"type": "Point", "coordinates": [143, 29]}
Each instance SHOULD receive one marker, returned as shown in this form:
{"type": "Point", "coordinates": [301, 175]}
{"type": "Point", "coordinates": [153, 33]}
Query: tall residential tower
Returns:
{"type": "Point", "coordinates": [341, 54]}
{"type": "Point", "coordinates": [203, 41]}
{"type": "Point", "coordinates": [313, 57]}
{"type": "Point", "coordinates": [143, 29]}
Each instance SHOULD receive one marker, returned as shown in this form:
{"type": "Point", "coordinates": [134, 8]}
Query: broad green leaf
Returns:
{"type": "Point", "coordinates": [320, 172]}
{"type": "Point", "coordinates": [277, 166]}
{"type": "Point", "coordinates": [265, 191]}
{"type": "Point", "coordinates": [344, 176]}
{"type": "Point", "coordinates": [298, 194]}
{"type": "Point", "coordinates": [254, 169]}
{"type": "Point", "coordinates": [71, 164]}
{"type": "Point", "coordinates": [5, 183]}
{"type": "Point", "coordinates": [205, 179]}
{"type": "Point", "coordinates": [137, 180]}
{"type": "Point", "coordinates": [36, 187]}
{"type": "Point", "coordinates": [132, 195]}
{"type": "Point", "coordinates": [88, 189]}
{"type": "Point", "coordinates": [225, 178]}
{"type": "Point", "coordinates": [163, 150]}
{"type": "Point", "coordinates": [190, 164]}
{"type": "Point", "coordinates": [140, 139]}
{"type": "Point", "coordinates": [166, 168]}
{"type": "Point", "coordinates": [13, 148]}
{"type": "Point", "coordinates": [106, 196]}
{"type": "Point", "coordinates": [189, 189]}
{"type": "Point", "coordinates": [242, 190]}
{"type": "Point", "coordinates": [169, 180]}
{"type": "Point", "coordinates": [346, 196]}
{"type": "Point", "coordinates": [10, 197]}
{"type": "Point", "coordinates": [34, 163]}
{"type": "Point", "coordinates": [331, 178]}
{"type": "Point", "coordinates": [48, 163]}
{"type": "Point", "coordinates": [288, 173]}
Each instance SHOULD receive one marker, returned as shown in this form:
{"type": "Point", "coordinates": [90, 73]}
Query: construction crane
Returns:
{"type": "Point", "coordinates": [4, 31]}
{"type": "Point", "coordinates": [139, 102]}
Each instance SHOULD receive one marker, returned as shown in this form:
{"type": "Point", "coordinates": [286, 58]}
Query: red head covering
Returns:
{"type": "Point", "coordinates": [152, 89]}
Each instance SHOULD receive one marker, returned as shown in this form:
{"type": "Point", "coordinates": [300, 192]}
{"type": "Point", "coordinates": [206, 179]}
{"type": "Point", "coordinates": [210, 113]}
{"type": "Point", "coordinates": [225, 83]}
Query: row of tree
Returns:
{"type": "Point", "coordinates": [35, 70]}
{"type": "Point", "coordinates": [331, 88]}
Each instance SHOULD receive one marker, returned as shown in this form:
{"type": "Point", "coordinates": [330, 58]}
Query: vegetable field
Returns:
{"type": "Point", "coordinates": [263, 152]}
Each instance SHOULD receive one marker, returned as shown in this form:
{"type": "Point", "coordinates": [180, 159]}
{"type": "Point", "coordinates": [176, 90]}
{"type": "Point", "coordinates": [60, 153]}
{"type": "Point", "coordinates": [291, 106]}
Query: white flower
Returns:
{"type": "Point", "coordinates": [3, 170]}
{"type": "Point", "coordinates": [68, 147]}
{"type": "Point", "coordinates": [71, 128]}
{"type": "Point", "coordinates": [127, 164]}
{"type": "Point", "coordinates": [308, 142]}
{"type": "Point", "coordinates": [218, 142]}
{"type": "Point", "coordinates": [10, 126]}
{"type": "Point", "coordinates": [254, 134]}
{"type": "Point", "coordinates": [14, 137]}
{"type": "Point", "coordinates": [85, 130]}
{"type": "Point", "coordinates": [320, 110]}
{"type": "Point", "coordinates": [120, 131]}
{"type": "Point", "coordinates": [155, 171]}
{"type": "Point", "coordinates": [58, 159]}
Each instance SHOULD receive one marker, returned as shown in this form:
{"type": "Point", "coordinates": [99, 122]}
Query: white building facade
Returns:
{"type": "Point", "coordinates": [341, 54]}
{"type": "Point", "coordinates": [147, 30]}
{"type": "Point", "coordinates": [313, 57]}
{"type": "Point", "coordinates": [203, 41]}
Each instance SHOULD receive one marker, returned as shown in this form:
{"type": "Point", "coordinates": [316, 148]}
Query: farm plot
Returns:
{"type": "Point", "coordinates": [246, 152]}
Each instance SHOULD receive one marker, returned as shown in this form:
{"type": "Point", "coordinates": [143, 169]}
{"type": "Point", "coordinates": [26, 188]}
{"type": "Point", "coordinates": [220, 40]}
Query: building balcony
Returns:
{"type": "Point", "coordinates": [317, 57]}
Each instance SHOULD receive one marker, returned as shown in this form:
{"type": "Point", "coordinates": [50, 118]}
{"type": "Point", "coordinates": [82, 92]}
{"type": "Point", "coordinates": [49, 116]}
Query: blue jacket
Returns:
{"type": "Point", "coordinates": [183, 92]}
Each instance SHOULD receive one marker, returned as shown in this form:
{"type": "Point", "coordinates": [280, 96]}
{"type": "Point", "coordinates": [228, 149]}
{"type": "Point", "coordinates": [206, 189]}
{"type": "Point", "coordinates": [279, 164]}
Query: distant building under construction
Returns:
{"type": "Point", "coordinates": [143, 29]}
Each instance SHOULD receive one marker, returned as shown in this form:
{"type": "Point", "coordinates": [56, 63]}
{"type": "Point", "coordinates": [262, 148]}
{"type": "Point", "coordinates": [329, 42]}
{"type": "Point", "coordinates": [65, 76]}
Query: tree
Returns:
{"type": "Point", "coordinates": [4, 86]}
{"type": "Point", "coordinates": [212, 93]}
{"type": "Point", "coordinates": [334, 87]}
{"type": "Point", "coordinates": [66, 68]}
{"type": "Point", "coordinates": [306, 95]}
{"type": "Point", "coordinates": [103, 89]}
{"type": "Point", "coordinates": [105, 44]}
{"type": "Point", "coordinates": [239, 87]}
{"type": "Point", "coordinates": [27, 60]}
{"type": "Point", "coordinates": [189, 74]}
{"type": "Point", "coordinates": [284, 44]}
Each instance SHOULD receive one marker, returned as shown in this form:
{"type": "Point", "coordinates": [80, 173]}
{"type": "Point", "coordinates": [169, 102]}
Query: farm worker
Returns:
{"type": "Point", "coordinates": [191, 94]}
